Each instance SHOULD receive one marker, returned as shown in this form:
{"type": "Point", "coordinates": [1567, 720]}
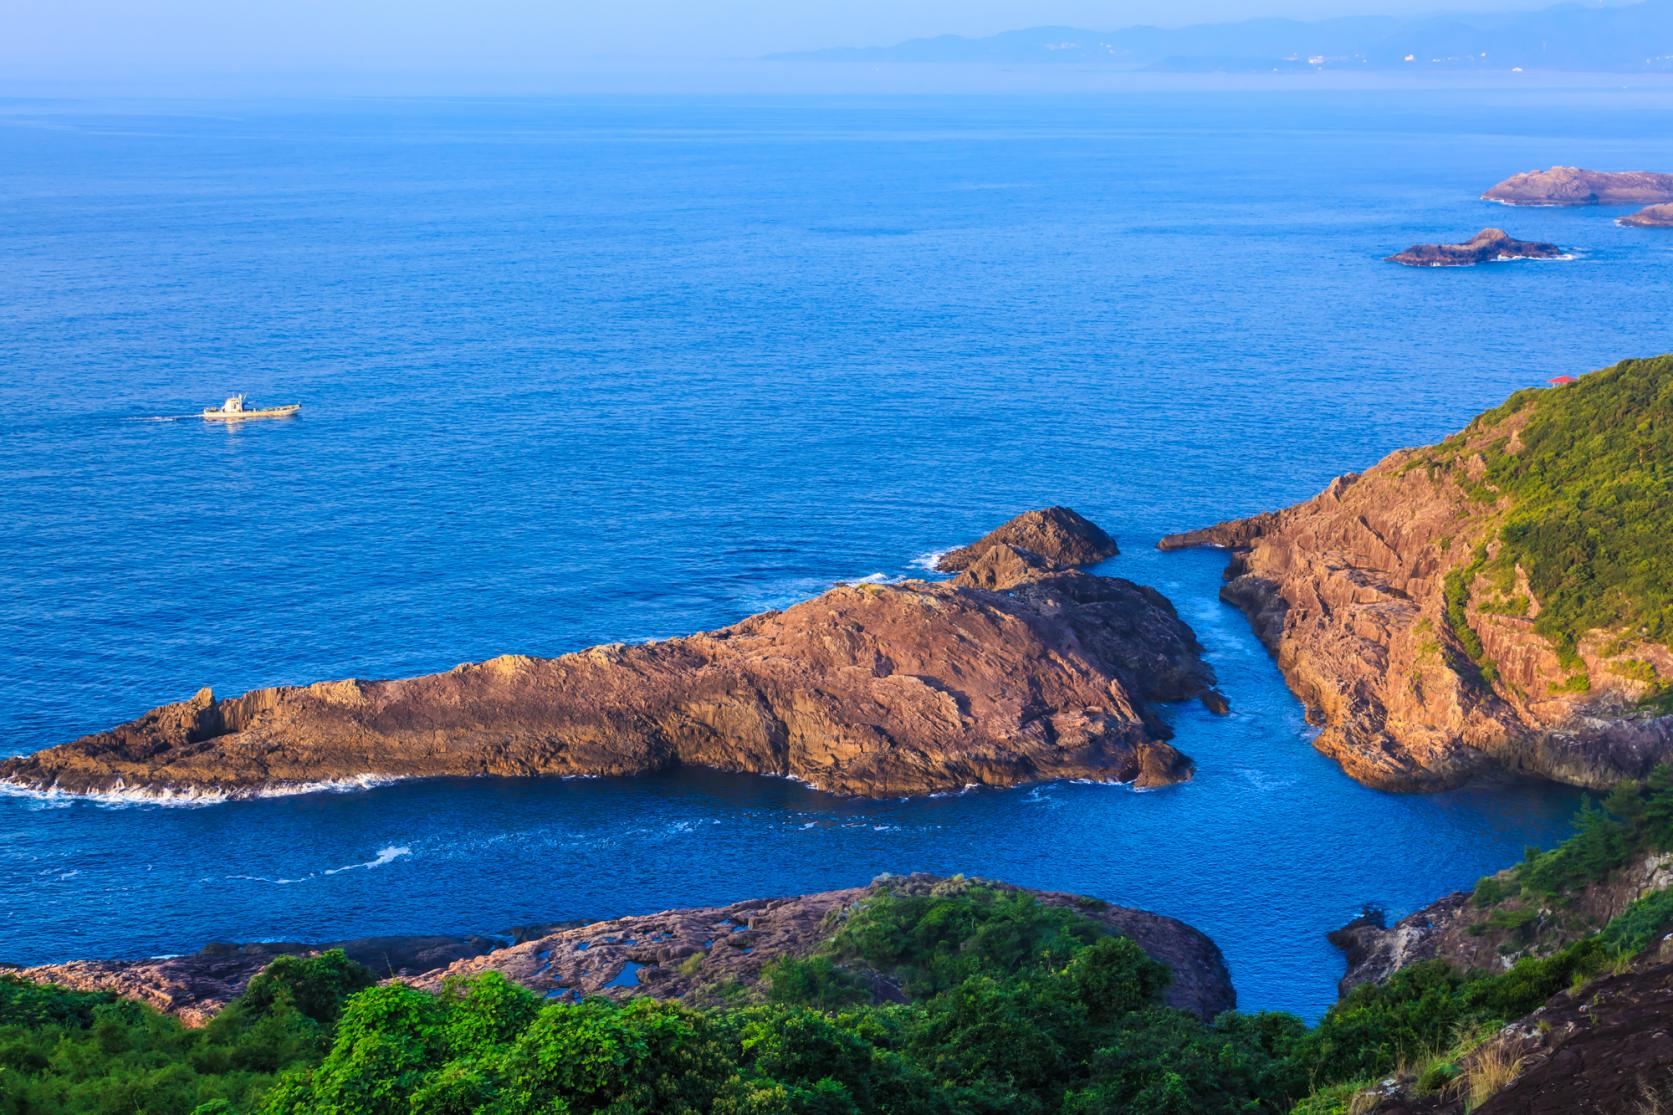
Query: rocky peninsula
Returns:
{"type": "Point", "coordinates": [694, 955]}
{"type": "Point", "coordinates": [1495, 602]}
{"type": "Point", "coordinates": [1021, 669]}
{"type": "Point", "coordinates": [1570, 185]}
{"type": "Point", "coordinates": [1651, 216]}
{"type": "Point", "coordinates": [1487, 246]}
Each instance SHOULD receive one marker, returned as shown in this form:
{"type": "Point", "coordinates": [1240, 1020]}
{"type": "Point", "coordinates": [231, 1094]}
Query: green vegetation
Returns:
{"type": "Point", "coordinates": [1011, 1005]}
{"type": "Point", "coordinates": [70, 1051]}
{"type": "Point", "coordinates": [1456, 593]}
{"type": "Point", "coordinates": [1588, 494]}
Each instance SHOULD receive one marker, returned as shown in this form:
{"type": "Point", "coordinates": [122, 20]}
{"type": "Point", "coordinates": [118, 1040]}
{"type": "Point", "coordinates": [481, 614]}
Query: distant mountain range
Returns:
{"type": "Point", "coordinates": [1629, 38]}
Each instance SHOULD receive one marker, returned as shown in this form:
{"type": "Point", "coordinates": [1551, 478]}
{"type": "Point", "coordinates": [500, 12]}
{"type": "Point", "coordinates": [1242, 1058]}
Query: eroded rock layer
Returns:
{"type": "Point", "coordinates": [1418, 652]}
{"type": "Point", "coordinates": [868, 689]}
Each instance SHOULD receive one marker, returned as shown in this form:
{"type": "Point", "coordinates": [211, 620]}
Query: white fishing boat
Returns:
{"type": "Point", "coordinates": [235, 410]}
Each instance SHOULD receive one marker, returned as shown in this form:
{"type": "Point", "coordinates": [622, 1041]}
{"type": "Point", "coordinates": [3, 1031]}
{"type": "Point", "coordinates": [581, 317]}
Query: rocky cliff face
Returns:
{"type": "Point", "coordinates": [1601, 1049]}
{"type": "Point", "coordinates": [1470, 935]}
{"type": "Point", "coordinates": [1651, 216]}
{"type": "Point", "coordinates": [1570, 185]}
{"type": "Point", "coordinates": [1418, 683]}
{"type": "Point", "coordinates": [869, 689]}
{"type": "Point", "coordinates": [685, 954]}
{"type": "Point", "coordinates": [1486, 246]}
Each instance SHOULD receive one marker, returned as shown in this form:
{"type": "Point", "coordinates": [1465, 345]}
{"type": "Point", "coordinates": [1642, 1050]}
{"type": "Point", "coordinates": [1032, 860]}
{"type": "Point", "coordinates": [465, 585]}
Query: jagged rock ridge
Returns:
{"type": "Point", "coordinates": [868, 689]}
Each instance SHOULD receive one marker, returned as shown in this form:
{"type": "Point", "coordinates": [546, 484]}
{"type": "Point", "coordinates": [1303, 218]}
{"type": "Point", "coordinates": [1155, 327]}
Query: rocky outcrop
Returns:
{"type": "Point", "coordinates": [1605, 1048]}
{"type": "Point", "coordinates": [1348, 591]}
{"type": "Point", "coordinates": [1570, 185]}
{"type": "Point", "coordinates": [1651, 216]}
{"type": "Point", "coordinates": [1476, 935]}
{"type": "Point", "coordinates": [1057, 535]}
{"type": "Point", "coordinates": [690, 954]}
{"type": "Point", "coordinates": [869, 689]}
{"type": "Point", "coordinates": [1487, 246]}
{"type": "Point", "coordinates": [195, 986]}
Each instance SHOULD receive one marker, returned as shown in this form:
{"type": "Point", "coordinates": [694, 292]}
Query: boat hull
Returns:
{"type": "Point", "coordinates": [241, 415]}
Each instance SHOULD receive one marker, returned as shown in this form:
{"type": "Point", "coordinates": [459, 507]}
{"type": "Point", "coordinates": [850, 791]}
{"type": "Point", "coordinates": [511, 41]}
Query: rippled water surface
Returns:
{"type": "Point", "coordinates": [580, 371]}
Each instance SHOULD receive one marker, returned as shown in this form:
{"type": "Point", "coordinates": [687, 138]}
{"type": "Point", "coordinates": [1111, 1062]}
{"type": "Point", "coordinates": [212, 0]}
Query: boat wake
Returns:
{"type": "Point", "coordinates": [385, 855]}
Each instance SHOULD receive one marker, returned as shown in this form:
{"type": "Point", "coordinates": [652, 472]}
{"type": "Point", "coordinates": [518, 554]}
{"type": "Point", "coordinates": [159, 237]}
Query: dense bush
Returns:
{"type": "Point", "coordinates": [72, 1051]}
{"type": "Point", "coordinates": [1590, 488]}
{"type": "Point", "coordinates": [1012, 1006]}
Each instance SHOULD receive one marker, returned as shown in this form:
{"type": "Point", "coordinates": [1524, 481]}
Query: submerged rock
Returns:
{"type": "Point", "coordinates": [868, 689]}
{"type": "Point", "coordinates": [1486, 246]}
{"type": "Point", "coordinates": [691, 954]}
{"type": "Point", "coordinates": [1570, 185]}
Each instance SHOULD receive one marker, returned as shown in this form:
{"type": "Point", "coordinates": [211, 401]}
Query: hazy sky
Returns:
{"type": "Point", "coordinates": [456, 45]}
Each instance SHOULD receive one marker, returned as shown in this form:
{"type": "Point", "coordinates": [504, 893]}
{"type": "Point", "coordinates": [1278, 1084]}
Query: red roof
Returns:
{"type": "Point", "coordinates": [1560, 380]}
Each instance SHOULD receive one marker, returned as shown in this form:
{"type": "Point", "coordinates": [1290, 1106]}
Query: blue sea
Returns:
{"type": "Point", "coordinates": [576, 371]}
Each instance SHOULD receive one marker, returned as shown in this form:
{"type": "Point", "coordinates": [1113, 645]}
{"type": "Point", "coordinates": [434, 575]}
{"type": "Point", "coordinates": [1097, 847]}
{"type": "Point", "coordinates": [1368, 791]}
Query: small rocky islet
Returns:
{"type": "Point", "coordinates": [1490, 245]}
{"type": "Point", "coordinates": [1571, 185]}
{"type": "Point", "coordinates": [1651, 216]}
{"type": "Point", "coordinates": [1022, 668]}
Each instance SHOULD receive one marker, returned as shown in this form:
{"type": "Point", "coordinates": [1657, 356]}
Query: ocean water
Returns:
{"type": "Point", "coordinates": [576, 371]}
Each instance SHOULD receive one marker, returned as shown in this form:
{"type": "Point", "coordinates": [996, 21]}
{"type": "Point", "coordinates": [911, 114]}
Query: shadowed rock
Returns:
{"type": "Point", "coordinates": [1486, 246]}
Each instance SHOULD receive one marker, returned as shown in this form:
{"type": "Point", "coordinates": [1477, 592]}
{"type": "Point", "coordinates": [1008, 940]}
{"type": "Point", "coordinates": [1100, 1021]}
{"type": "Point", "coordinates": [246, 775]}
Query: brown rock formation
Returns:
{"type": "Point", "coordinates": [1056, 534]}
{"type": "Point", "coordinates": [1651, 216]}
{"type": "Point", "coordinates": [1569, 185]}
{"type": "Point", "coordinates": [197, 985]}
{"type": "Point", "coordinates": [1468, 934]}
{"type": "Point", "coordinates": [1347, 591]}
{"type": "Point", "coordinates": [684, 954]}
{"type": "Point", "coordinates": [869, 689]}
{"type": "Point", "coordinates": [1486, 246]}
